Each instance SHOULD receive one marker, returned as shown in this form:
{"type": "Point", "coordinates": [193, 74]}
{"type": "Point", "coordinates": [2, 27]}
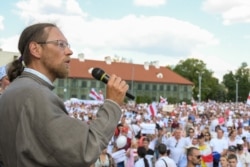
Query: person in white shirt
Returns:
{"type": "Point", "coordinates": [232, 141]}
{"type": "Point", "coordinates": [219, 144]}
{"type": "Point", "coordinates": [191, 136]}
{"type": "Point", "coordinates": [177, 145]}
{"type": "Point", "coordinates": [164, 160]}
{"type": "Point", "coordinates": [142, 161]}
{"type": "Point", "coordinates": [240, 133]}
{"type": "Point", "coordinates": [242, 156]}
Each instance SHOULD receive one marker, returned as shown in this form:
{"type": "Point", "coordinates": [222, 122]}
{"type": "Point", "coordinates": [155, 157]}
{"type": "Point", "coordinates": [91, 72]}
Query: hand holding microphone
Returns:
{"type": "Point", "coordinates": [116, 87]}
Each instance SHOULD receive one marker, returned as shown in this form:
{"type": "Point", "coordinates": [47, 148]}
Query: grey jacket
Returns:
{"type": "Point", "coordinates": [35, 130]}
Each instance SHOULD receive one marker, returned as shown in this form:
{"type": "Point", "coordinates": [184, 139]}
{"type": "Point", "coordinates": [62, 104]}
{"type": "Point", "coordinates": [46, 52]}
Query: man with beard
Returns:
{"type": "Point", "coordinates": [35, 129]}
{"type": "Point", "coordinates": [193, 157]}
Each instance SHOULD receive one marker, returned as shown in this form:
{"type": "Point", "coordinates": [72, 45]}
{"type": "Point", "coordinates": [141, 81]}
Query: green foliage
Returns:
{"type": "Point", "coordinates": [191, 69]}
{"type": "Point", "coordinates": [242, 76]}
{"type": "Point", "coordinates": [143, 99]}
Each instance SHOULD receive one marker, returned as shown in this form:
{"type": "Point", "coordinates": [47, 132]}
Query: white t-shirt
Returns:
{"type": "Point", "coordinates": [219, 144]}
{"type": "Point", "coordinates": [177, 148]}
{"type": "Point", "coordinates": [140, 163]}
{"type": "Point", "coordinates": [160, 162]}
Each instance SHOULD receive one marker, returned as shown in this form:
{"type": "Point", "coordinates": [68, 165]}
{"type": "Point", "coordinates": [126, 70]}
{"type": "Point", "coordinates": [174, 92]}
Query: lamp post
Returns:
{"type": "Point", "coordinates": [199, 79]}
{"type": "Point", "coordinates": [236, 90]}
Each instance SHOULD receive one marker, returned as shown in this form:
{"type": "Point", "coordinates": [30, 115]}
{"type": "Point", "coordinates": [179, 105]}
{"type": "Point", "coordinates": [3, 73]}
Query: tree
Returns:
{"type": "Point", "coordinates": [241, 77]}
{"type": "Point", "coordinates": [210, 87]}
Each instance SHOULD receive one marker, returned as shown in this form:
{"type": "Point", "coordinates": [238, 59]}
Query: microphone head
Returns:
{"type": "Point", "coordinates": [97, 73]}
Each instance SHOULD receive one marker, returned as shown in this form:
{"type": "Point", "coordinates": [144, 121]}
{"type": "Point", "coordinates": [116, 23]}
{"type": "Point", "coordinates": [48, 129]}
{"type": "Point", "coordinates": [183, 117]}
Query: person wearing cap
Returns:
{"type": "Point", "coordinates": [206, 152]}
{"type": "Point", "coordinates": [164, 160]}
{"type": "Point", "coordinates": [4, 80]}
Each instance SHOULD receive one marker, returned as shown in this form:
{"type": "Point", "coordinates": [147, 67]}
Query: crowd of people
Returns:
{"type": "Point", "coordinates": [218, 131]}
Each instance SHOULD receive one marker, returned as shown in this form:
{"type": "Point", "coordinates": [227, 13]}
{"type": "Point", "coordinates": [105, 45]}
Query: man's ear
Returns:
{"type": "Point", "coordinates": [35, 49]}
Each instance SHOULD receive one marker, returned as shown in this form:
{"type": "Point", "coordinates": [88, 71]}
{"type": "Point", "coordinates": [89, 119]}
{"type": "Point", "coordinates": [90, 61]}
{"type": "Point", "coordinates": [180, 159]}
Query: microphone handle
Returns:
{"type": "Point", "coordinates": [104, 78]}
{"type": "Point", "coordinates": [130, 96]}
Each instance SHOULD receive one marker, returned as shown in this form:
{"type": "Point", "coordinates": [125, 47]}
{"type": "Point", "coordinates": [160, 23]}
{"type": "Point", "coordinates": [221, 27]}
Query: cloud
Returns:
{"type": "Point", "coordinates": [9, 44]}
{"type": "Point", "coordinates": [152, 35]}
{"type": "Point", "coordinates": [135, 37]}
{"type": "Point", "coordinates": [43, 9]}
{"type": "Point", "coordinates": [214, 63]}
{"type": "Point", "coordinates": [1, 22]}
{"type": "Point", "coordinates": [231, 11]}
{"type": "Point", "coordinates": [150, 3]}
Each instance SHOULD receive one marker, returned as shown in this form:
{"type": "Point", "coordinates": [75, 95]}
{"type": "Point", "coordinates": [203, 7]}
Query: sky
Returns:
{"type": "Point", "coordinates": [167, 31]}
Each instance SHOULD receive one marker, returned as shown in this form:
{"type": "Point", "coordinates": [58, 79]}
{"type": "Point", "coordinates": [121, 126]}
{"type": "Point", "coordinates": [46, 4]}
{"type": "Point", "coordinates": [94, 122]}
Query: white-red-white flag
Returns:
{"type": "Point", "coordinates": [248, 99]}
{"type": "Point", "coordinates": [101, 95]}
{"type": "Point", "coordinates": [152, 110]}
{"type": "Point", "coordinates": [163, 100]}
{"type": "Point", "coordinates": [94, 95]}
{"type": "Point", "coordinates": [194, 104]}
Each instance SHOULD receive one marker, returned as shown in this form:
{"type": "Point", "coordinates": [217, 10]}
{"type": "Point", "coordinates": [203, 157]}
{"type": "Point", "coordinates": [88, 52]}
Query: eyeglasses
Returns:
{"type": "Point", "coordinates": [198, 156]}
{"type": "Point", "coordinates": [62, 44]}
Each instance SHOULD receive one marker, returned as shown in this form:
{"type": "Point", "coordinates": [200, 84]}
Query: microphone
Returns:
{"type": "Point", "coordinates": [100, 75]}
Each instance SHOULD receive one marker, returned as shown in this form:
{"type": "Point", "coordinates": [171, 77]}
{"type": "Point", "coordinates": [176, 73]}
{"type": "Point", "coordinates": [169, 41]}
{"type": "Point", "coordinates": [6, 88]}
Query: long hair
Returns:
{"type": "Point", "coordinates": [32, 33]}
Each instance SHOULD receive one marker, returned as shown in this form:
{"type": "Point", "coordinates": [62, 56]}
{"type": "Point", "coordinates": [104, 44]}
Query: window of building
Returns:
{"type": "Point", "coordinates": [74, 96]}
{"type": "Point", "coordinates": [102, 85]}
{"type": "Point", "coordinates": [83, 96]}
{"type": "Point", "coordinates": [74, 83]}
{"type": "Point", "coordinates": [161, 87]}
{"type": "Point", "coordinates": [147, 87]}
{"type": "Point", "coordinates": [154, 87]}
{"type": "Point", "coordinates": [175, 88]}
{"type": "Point", "coordinates": [168, 88]}
{"type": "Point", "coordinates": [84, 84]}
{"type": "Point", "coordinates": [185, 89]}
{"type": "Point", "coordinates": [139, 86]}
{"type": "Point", "coordinates": [93, 84]}
{"type": "Point", "coordinates": [60, 82]}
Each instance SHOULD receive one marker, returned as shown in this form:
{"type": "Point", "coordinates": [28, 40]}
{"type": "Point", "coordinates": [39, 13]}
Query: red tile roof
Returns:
{"type": "Point", "coordinates": [127, 71]}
